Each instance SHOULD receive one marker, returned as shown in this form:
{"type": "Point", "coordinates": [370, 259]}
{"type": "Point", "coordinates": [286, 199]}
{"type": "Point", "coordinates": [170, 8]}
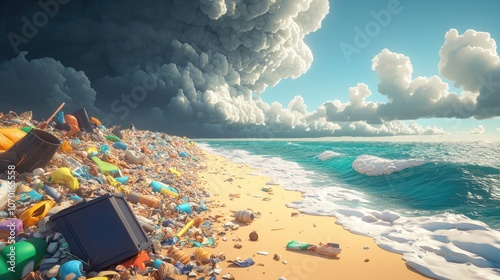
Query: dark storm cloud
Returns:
{"type": "Point", "coordinates": [197, 67]}
{"type": "Point", "coordinates": [183, 63]}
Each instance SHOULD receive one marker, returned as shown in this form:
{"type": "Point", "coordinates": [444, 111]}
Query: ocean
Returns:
{"type": "Point", "coordinates": [436, 203]}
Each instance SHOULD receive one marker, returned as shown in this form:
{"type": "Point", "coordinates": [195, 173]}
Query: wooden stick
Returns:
{"type": "Point", "coordinates": [46, 123]}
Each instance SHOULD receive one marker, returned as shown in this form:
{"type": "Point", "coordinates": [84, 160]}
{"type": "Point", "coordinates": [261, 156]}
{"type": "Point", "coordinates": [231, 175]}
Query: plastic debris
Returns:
{"type": "Point", "coordinates": [243, 263]}
{"type": "Point", "coordinates": [152, 173]}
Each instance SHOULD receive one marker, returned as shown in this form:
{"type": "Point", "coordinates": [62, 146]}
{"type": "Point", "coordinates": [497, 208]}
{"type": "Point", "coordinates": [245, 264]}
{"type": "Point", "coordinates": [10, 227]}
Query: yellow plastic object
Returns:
{"type": "Point", "coordinates": [119, 187]}
{"type": "Point", "coordinates": [168, 192]}
{"type": "Point", "coordinates": [66, 147]}
{"type": "Point", "coordinates": [9, 136]}
{"type": "Point", "coordinates": [13, 133]}
{"type": "Point", "coordinates": [92, 150]}
{"type": "Point", "coordinates": [123, 189]}
{"type": "Point", "coordinates": [202, 254]}
{"type": "Point", "coordinates": [98, 278]}
{"type": "Point", "coordinates": [175, 172]}
{"type": "Point", "coordinates": [112, 181]}
{"type": "Point", "coordinates": [5, 143]}
{"type": "Point", "coordinates": [185, 229]}
{"type": "Point", "coordinates": [35, 213]}
{"type": "Point", "coordinates": [63, 175]}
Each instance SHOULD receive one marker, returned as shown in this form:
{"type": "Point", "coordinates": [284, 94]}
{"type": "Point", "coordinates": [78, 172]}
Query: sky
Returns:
{"type": "Point", "coordinates": [260, 69]}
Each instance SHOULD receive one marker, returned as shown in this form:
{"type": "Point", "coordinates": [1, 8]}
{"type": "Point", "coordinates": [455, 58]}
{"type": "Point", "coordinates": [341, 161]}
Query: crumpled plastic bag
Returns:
{"type": "Point", "coordinates": [63, 175]}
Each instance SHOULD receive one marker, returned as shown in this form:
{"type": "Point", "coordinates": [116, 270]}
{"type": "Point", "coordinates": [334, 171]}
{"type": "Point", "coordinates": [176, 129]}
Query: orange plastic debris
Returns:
{"type": "Point", "coordinates": [138, 261]}
{"type": "Point", "coordinates": [73, 124]}
{"type": "Point", "coordinates": [95, 121]}
{"type": "Point", "coordinates": [66, 147]}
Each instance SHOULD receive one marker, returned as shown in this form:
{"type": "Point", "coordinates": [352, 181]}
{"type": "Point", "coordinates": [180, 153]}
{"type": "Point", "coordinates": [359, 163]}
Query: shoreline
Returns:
{"type": "Point", "coordinates": [236, 187]}
{"type": "Point", "coordinates": [229, 182]}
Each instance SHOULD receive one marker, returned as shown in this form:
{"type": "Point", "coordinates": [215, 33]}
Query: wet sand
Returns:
{"type": "Point", "coordinates": [236, 187]}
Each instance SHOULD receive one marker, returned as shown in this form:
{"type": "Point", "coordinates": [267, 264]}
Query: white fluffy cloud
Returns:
{"type": "Point", "coordinates": [470, 60]}
{"type": "Point", "coordinates": [478, 130]}
{"type": "Point", "coordinates": [390, 128]}
{"type": "Point", "coordinates": [467, 59]}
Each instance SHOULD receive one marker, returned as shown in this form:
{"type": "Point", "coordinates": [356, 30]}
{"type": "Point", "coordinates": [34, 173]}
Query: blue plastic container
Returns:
{"type": "Point", "coordinates": [120, 145]}
{"type": "Point", "coordinates": [122, 180]}
{"type": "Point", "coordinates": [184, 208]}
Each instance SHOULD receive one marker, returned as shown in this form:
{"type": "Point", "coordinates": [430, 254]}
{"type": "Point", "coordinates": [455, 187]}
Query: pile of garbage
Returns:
{"type": "Point", "coordinates": [82, 201]}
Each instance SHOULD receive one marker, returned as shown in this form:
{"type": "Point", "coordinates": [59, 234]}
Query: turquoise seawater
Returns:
{"type": "Point", "coordinates": [453, 177]}
{"type": "Point", "coordinates": [437, 204]}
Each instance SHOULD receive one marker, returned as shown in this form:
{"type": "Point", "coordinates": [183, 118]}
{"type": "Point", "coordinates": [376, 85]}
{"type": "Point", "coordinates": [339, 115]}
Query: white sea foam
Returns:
{"type": "Point", "coordinates": [326, 155]}
{"type": "Point", "coordinates": [444, 246]}
{"type": "Point", "coordinates": [375, 166]}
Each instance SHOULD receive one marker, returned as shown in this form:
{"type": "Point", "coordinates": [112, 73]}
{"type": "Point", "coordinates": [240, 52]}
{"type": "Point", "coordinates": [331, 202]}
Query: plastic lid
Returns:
{"type": "Point", "coordinates": [157, 263]}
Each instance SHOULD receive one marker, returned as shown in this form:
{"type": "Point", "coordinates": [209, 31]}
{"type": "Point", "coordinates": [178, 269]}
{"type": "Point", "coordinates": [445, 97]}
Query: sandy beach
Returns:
{"type": "Point", "coordinates": [238, 187]}
{"type": "Point", "coordinates": [208, 181]}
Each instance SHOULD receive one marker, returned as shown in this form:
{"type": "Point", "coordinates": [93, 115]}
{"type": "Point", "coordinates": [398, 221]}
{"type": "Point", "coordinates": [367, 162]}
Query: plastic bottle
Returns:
{"type": "Point", "coordinates": [184, 229]}
{"type": "Point", "coordinates": [163, 188]}
{"type": "Point", "coordinates": [52, 193]}
{"type": "Point", "coordinates": [120, 145]}
{"type": "Point", "coordinates": [143, 199]}
{"type": "Point", "coordinates": [113, 138]}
